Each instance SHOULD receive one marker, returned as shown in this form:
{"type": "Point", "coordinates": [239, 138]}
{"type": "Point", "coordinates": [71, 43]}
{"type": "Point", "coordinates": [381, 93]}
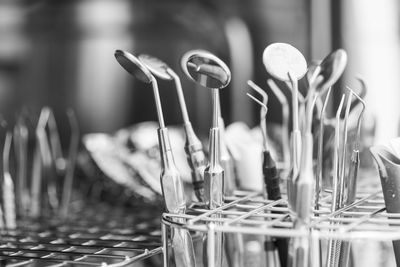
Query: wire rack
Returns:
{"type": "Point", "coordinates": [250, 213]}
{"type": "Point", "coordinates": [94, 236]}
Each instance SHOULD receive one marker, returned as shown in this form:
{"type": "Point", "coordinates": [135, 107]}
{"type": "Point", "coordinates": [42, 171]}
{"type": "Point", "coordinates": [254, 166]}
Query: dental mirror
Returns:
{"type": "Point", "coordinates": [136, 68]}
{"type": "Point", "coordinates": [209, 71]}
{"type": "Point", "coordinates": [206, 69]}
{"type": "Point", "coordinates": [332, 67]}
{"type": "Point", "coordinates": [156, 66]}
{"type": "Point", "coordinates": [133, 66]}
{"type": "Point", "coordinates": [280, 59]}
{"type": "Point", "coordinates": [193, 147]}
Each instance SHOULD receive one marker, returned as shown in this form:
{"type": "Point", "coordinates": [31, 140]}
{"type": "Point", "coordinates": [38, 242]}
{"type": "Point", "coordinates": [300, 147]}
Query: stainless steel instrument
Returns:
{"type": "Point", "coordinates": [330, 69]}
{"type": "Point", "coordinates": [210, 72]}
{"type": "Point", "coordinates": [271, 177]}
{"type": "Point", "coordinates": [171, 183]}
{"type": "Point", "coordinates": [333, 256]}
{"type": "Point", "coordinates": [193, 147]}
{"type": "Point", "coordinates": [285, 122]}
{"type": "Point", "coordinates": [350, 183]}
{"type": "Point", "coordinates": [286, 63]}
{"type": "Point", "coordinates": [7, 185]}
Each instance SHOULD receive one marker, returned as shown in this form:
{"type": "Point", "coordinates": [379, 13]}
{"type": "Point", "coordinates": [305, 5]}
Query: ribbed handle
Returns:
{"type": "Point", "coordinates": [197, 162]}
{"type": "Point", "coordinates": [271, 177]}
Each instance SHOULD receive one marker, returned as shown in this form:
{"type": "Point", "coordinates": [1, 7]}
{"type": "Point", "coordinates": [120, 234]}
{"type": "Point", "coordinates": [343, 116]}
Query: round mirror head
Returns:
{"type": "Point", "coordinates": [332, 67]}
{"type": "Point", "coordinates": [279, 59]}
{"type": "Point", "coordinates": [206, 69]}
{"type": "Point", "coordinates": [156, 66]}
{"type": "Point", "coordinates": [133, 65]}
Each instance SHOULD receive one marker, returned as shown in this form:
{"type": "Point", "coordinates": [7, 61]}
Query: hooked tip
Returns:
{"type": "Point", "coordinates": [355, 94]}
{"type": "Point", "coordinates": [258, 102]}
{"type": "Point", "coordinates": [250, 83]}
{"type": "Point", "coordinates": [259, 90]}
{"type": "Point", "coordinates": [359, 98]}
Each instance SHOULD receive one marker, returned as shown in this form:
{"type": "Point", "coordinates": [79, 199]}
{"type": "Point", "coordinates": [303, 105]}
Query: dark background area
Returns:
{"type": "Point", "coordinates": [60, 54]}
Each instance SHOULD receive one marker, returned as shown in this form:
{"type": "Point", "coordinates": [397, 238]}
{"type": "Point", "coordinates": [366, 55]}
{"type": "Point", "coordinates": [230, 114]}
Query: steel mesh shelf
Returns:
{"type": "Point", "coordinates": [94, 236]}
{"type": "Point", "coordinates": [247, 213]}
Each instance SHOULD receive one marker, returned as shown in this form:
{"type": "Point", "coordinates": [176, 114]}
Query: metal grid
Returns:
{"type": "Point", "coordinates": [245, 213]}
{"type": "Point", "coordinates": [99, 236]}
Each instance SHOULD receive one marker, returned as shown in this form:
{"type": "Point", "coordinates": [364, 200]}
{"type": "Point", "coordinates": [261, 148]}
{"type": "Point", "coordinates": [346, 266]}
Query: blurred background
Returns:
{"type": "Point", "coordinates": [61, 54]}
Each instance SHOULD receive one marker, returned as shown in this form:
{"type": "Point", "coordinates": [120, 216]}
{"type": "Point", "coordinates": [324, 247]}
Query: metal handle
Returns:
{"type": "Point", "coordinates": [214, 174]}
{"type": "Point", "coordinates": [172, 189]}
{"type": "Point", "coordinates": [175, 201]}
{"type": "Point", "coordinates": [214, 186]}
{"type": "Point", "coordinates": [212, 248]}
{"type": "Point", "coordinates": [350, 195]}
{"type": "Point", "coordinates": [295, 143]}
{"type": "Point", "coordinates": [9, 202]}
{"type": "Point", "coordinates": [352, 179]}
{"type": "Point", "coordinates": [234, 248]}
{"type": "Point", "coordinates": [272, 188]}
{"type": "Point", "coordinates": [233, 242]}
{"type": "Point", "coordinates": [21, 147]}
{"type": "Point", "coordinates": [171, 182]}
{"type": "Point", "coordinates": [183, 248]}
{"type": "Point", "coordinates": [229, 169]}
{"type": "Point", "coordinates": [304, 185]}
{"type": "Point", "coordinates": [197, 162]}
{"type": "Point", "coordinates": [299, 252]}
{"type": "Point", "coordinates": [271, 177]}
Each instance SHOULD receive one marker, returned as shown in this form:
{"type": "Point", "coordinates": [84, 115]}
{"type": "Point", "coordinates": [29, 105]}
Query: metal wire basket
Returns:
{"type": "Point", "coordinates": [250, 213]}
{"type": "Point", "coordinates": [96, 235]}
{"type": "Point", "coordinates": [62, 223]}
